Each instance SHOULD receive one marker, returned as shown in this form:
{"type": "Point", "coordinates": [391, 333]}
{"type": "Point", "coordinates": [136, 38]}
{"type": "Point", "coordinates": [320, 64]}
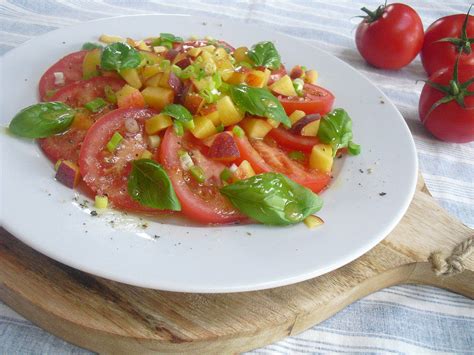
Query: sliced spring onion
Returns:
{"type": "Point", "coordinates": [96, 105]}
{"type": "Point", "coordinates": [220, 128]}
{"type": "Point", "coordinates": [225, 175]}
{"type": "Point", "coordinates": [178, 128]}
{"type": "Point", "coordinates": [197, 173]}
{"type": "Point", "coordinates": [165, 64]}
{"type": "Point", "coordinates": [58, 78]}
{"type": "Point", "coordinates": [154, 141]}
{"type": "Point", "coordinates": [353, 148]}
{"type": "Point", "coordinates": [114, 142]}
{"type": "Point", "coordinates": [239, 132]}
{"type": "Point", "coordinates": [296, 155]}
{"type": "Point", "coordinates": [185, 161]}
{"type": "Point", "coordinates": [298, 84]}
{"type": "Point", "coordinates": [188, 72]}
{"type": "Point", "coordinates": [233, 168]}
{"type": "Point", "coordinates": [101, 202]}
{"type": "Point", "coordinates": [177, 70]}
{"type": "Point", "coordinates": [110, 94]}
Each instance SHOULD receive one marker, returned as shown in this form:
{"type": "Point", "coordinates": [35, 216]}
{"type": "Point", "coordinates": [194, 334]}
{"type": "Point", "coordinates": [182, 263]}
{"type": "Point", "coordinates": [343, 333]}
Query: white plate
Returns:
{"type": "Point", "coordinates": [43, 214]}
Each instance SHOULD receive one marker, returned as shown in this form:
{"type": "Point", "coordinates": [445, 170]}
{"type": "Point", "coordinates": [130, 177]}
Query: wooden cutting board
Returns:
{"type": "Point", "coordinates": [110, 317]}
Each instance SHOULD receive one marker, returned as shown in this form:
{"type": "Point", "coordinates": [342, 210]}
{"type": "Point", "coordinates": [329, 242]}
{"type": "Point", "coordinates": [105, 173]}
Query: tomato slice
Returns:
{"type": "Point", "coordinates": [79, 93]}
{"type": "Point", "coordinates": [265, 158]}
{"type": "Point", "coordinates": [70, 66]}
{"type": "Point", "coordinates": [201, 202]}
{"type": "Point", "coordinates": [107, 173]}
{"type": "Point", "coordinates": [66, 146]}
{"type": "Point", "coordinates": [293, 141]}
{"type": "Point", "coordinates": [315, 100]}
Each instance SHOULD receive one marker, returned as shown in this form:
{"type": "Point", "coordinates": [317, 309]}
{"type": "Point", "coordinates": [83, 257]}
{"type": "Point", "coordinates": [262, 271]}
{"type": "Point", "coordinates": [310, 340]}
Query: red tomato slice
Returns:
{"type": "Point", "coordinates": [315, 100]}
{"type": "Point", "coordinates": [265, 158]}
{"type": "Point", "coordinates": [66, 146]}
{"type": "Point", "coordinates": [293, 141]}
{"type": "Point", "coordinates": [70, 66]}
{"type": "Point", "coordinates": [107, 173]}
{"type": "Point", "coordinates": [79, 93]}
{"type": "Point", "coordinates": [201, 202]}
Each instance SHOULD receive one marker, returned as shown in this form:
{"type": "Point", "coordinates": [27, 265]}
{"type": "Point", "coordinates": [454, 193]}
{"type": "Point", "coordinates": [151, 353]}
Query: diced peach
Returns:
{"type": "Point", "coordinates": [321, 158]}
{"type": "Point", "coordinates": [296, 72]}
{"type": "Point", "coordinates": [224, 148]}
{"type": "Point", "coordinates": [311, 129]}
{"type": "Point", "coordinates": [131, 77]}
{"type": "Point", "coordinates": [90, 63]}
{"type": "Point", "coordinates": [203, 128]}
{"type": "Point", "coordinates": [68, 174]}
{"type": "Point", "coordinates": [158, 98]}
{"type": "Point", "coordinates": [157, 123]}
{"type": "Point", "coordinates": [82, 121]}
{"type": "Point", "coordinates": [194, 52]}
{"type": "Point", "coordinates": [296, 116]}
{"type": "Point", "coordinates": [311, 76]}
{"type": "Point", "coordinates": [257, 78]}
{"type": "Point", "coordinates": [237, 78]}
{"type": "Point", "coordinates": [244, 171]}
{"type": "Point", "coordinates": [228, 113]}
{"type": "Point", "coordinates": [193, 102]}
{"type": "Point", "coordinates": [313, 221]}
{"type": "Point", "coordinates": [256, 127]}
{"type": "Point", "coordinates": [155, 80]}
{"type": "Point", "coordinates": [240, 54]}
{"type": "Point", "coordinates": [129, 97]}
{"type": "Point", "coordinates": [283, 86]}
{"type": "Point", "coordinates": [149, 71]}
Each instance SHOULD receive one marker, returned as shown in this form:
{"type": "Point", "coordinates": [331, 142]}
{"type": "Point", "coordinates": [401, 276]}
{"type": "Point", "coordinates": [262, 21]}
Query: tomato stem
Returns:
{"type": "Point", "coordinates": [463, 42]}
{"type": "Point", "coordinates": [374, 15]}
{"type": "Point", "coordinates": [454, 91]}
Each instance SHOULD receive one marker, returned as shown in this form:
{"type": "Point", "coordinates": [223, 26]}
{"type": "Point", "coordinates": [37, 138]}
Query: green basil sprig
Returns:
{"type": "Point", "coordinates": [182, 117]}
{"type": "Point", "coordinates": [149, 185]}
{"type": "Point", "coordinates": [272, 198]}
{"type": "Point", "coordinates": [118, 56]}
{"type": "Point", "coordinates": [265, 54]}
{"type": "Point", "coordinates": [42, 120]}
{"type": "Point", "coordinates": [259, 102]}
{"type": "Point", "coordinates": [88, 46]}
{"type": "Point", "coordinates": [335, 129]}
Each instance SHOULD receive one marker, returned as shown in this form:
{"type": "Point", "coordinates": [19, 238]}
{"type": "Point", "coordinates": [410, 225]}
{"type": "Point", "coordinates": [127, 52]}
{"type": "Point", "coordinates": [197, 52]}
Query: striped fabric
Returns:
{"type": "Point", "coordinates": [401, 319]}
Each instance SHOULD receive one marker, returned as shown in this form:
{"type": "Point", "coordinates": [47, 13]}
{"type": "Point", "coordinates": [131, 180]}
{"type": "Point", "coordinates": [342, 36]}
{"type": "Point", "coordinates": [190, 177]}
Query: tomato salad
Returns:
{"type": "Point", "coordinates": [219, 134]}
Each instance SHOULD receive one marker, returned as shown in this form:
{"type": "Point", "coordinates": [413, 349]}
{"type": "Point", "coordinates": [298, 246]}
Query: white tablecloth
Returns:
{"type": "Point", "coordinates": [406, 319]}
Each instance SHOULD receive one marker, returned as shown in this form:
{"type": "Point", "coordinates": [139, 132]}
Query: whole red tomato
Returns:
{"type": "Point", "coordinates": [455, 31]}
{"type": "Point", "coordinates": [446, 104]}
{"type": "Point", "coordinates": [390, 37]}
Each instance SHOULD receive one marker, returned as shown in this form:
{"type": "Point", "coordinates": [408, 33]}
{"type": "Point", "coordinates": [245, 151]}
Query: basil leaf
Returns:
{"type": "Point", "coordinates": [170, 37]}
{"type": "Point", "coordinates": [272, 198]}
{"type": "Point", "coordinates": [42, 120]}
{"type": "Point", "coordinates": [259, 102]}
{"type": "Point", "coordinates": [265, 54]}
{"type": "Point", "coordinates": [336, 129]}
{"type": "Point", "coordinates": [118, 56]}
{"type": "Point", "coordinates": [149, 185]}
{"type": "Point", "coordinates": [88, 46]}
{"type": "Point", "coordinates": [178, 112]}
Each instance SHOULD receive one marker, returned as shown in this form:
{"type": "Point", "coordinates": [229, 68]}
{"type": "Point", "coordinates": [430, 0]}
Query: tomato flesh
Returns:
{"type": "Point", "coordinates": [265, 158]}
{"type": "Point", "coordinates": [107, 173]}
{"type": "Point", "coordinates": [66, 146]}
{"type": "Point", "coordinates": [293, 141]}
{"type": "Point", "coordinates": [315, 99]}
{"type": "Point", "coordinates": [70, 66]}
{"type": "Point", "coordinates": [201, 202]}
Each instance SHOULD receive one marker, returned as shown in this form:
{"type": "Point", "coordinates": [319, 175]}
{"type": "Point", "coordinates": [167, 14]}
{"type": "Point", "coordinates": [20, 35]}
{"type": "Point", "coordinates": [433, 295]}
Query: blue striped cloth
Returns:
{"type": "Point", "coordinates": [401, 319]}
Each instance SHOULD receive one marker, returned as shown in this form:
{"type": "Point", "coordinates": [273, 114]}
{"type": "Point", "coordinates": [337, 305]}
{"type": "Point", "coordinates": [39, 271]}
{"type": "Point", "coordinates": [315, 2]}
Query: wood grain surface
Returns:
{"type": "Point", "coordinates": [110, 317]}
